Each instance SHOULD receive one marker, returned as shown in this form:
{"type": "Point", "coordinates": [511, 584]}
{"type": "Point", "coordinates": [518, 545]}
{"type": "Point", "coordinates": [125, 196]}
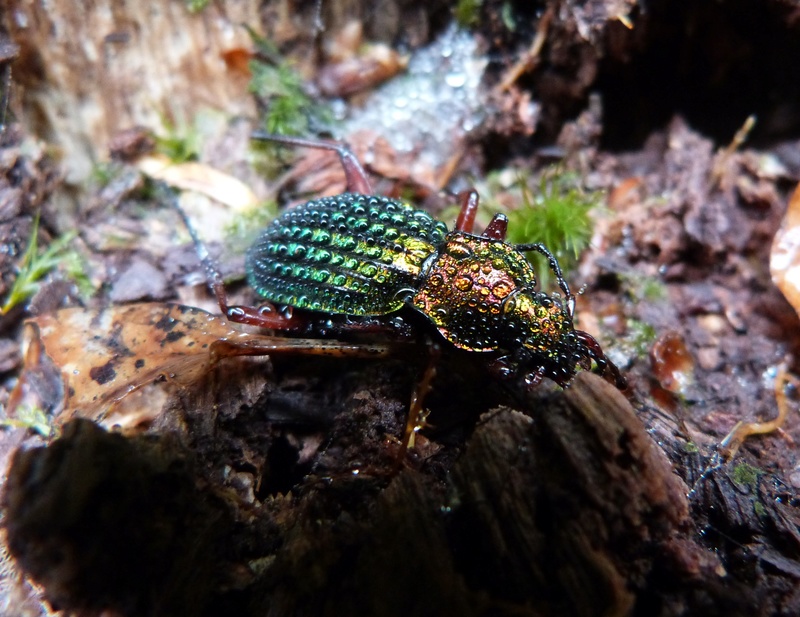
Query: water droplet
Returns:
{"type": "Point", "coordinates": [463, 283]}
{"type": "Point", "coordinates": [455, 80]}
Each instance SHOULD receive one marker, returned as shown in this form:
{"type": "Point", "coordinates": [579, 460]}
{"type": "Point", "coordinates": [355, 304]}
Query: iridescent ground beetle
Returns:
{"type": "Point", "coordinates": [367, 258]}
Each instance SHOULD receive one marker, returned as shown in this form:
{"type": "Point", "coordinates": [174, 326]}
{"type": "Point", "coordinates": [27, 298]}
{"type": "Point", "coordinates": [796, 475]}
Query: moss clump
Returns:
{"type": "Point", "coordinates": [553, 210]}
{"type": "Point", "coordinates": [181, 142]}
{"type": "Point", "coordinates": [289, 109]}
{"type": "Point", "coordinates": [746, 474]}
{"type": "Point", "coordinates": [32, 418]}
{"type": "Point", "coordinates": [467, 12]}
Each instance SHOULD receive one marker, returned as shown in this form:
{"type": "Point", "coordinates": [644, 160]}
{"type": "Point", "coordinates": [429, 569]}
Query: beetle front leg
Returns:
{"type": "Point", "coordinates": [605, 367]}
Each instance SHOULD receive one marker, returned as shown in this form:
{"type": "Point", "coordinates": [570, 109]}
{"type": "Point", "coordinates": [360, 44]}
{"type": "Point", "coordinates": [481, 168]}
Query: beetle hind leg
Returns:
{"type": "Point", "coordinates": [356, 177]}
{"type": "Point", "coordinates": [416, 412]}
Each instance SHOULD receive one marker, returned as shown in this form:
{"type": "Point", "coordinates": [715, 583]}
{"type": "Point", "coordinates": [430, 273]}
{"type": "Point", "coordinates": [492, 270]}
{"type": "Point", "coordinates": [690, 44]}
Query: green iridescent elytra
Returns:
{"type": "Point", "coordinates": [347, 255]}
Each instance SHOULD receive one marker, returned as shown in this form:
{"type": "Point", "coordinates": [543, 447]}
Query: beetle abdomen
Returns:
{"type": "Point", "coordinates": [350, 254]}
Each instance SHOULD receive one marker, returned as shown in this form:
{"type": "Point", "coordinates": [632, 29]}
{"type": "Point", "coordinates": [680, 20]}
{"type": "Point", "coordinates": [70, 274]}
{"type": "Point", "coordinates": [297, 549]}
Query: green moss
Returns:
{"type": "Point", "coordinates": [690, 447]}
{"type": "Point", "coordinates": [467, 12]}
{"type": "Point", "coordinates": [181, 142]}
{"type": "Point", "coordinates": [639, 337]}
{"type": "Point", "coordinates": [35, 265]}
{"type": "Point", "coordinates": [759, 509]}
{"type": "Point", "coordinates": [554, 210]}
{"type": "Point", "coordinates": [746, 475]}
{"type": "Point", "coordinates": [32, 418]}
{"type": "Point", "coordinates": [195, 6]}
{"type": "Point", "coordinates": [289, 109]}
{"type": "Point", "coordinates": [644, 287]}
{"type": "Point", "coordinates": [103, 173]}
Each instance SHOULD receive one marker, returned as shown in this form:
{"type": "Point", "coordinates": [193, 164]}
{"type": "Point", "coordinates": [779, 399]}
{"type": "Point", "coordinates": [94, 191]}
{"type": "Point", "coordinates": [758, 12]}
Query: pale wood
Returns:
{"type": "Point", "coordinates": [90, 69]}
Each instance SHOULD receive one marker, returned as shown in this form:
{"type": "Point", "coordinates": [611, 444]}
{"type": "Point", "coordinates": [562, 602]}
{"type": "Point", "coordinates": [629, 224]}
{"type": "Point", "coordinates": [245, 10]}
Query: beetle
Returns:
{"type": "Point", "coordinates": [358, 261]}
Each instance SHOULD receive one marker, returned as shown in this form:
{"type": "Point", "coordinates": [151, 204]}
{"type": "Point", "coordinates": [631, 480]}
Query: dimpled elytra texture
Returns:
{"type": "Point", "coordinates": [479, 292]}
{"type": "Point", "coordinates": [349, 255]}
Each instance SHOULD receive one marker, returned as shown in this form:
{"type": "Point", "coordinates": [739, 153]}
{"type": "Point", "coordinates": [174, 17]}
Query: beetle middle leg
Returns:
{"type": "Point", "coordinates": [415, 419]}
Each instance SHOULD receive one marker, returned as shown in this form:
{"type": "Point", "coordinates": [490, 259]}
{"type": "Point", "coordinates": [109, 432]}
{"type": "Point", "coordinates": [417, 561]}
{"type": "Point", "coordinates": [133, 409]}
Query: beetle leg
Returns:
{"type": "Point", "coordinates": [605, 367]}
{"type": "Point", "coordinates": [266, 316]}
{"type": "Point", "coordinates": [355, 176]}
{"type": "Point", "coordinates": [554, 266]}
{"type": "Point", "coordinates": [534, 378]}
{"type": "Point", "coordinates": [503, 367]}
{"type": "Point", "coordinates": [415, 418]}
{"type": "Point", "coordinates": [469, 208]}
{"type": "Point", "coordinates": [255, 345]}
{"type": "Point", "coordinates": [497, 228]}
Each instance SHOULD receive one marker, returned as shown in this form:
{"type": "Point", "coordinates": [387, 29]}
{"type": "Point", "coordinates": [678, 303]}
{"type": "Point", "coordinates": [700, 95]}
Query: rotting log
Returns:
{"type": "Point", "coordinates": [572, 509]}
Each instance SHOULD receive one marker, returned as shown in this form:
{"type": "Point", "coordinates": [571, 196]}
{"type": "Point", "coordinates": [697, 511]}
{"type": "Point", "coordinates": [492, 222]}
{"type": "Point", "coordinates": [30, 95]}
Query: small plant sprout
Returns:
{"type": "Point", "coordinates": [289, 109]}
{"type": "Point", "coordinates": [30, 417]}
{"type": "Point", "coordinates": [35, 265]}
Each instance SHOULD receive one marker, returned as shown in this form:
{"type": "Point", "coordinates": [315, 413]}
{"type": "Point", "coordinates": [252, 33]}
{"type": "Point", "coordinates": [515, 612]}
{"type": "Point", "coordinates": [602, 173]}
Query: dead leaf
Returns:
{"type": "Point", "coordinates": [200, 178]}
{"type": "Point", "coordinates": [106, 355]}
{"type": "Point", "coordinates": [784, 263]}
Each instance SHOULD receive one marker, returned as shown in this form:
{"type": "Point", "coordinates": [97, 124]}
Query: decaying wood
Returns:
{"type": "Point", "coordinates": [572, 509]}
{"type": "Point", "coordinates": [88, 74]}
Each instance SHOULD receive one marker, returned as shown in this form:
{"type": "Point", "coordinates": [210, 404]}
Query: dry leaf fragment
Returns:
{"type": "Point", "coordinates": [106, 355]}
{"type": "Point", "coordinates": [200, 178]}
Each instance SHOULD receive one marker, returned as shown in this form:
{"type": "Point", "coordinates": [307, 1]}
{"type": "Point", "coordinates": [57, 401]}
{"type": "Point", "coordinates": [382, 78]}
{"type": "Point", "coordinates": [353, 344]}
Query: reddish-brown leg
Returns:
{"type": "Point", "coordinates": [266, 316]}
{"type": "Point", "coordinates": [255, 345]}
{"type": "Point", "coordinates": [497, 228]}
{"type": "Point", "coordinates": [605, 367]}
{"type": "Point", "coordinates": [356, 177]}
{"type": "Point", "coordinates": [415, 411]}
{"type": "Point", "coordinates": [469, 208]}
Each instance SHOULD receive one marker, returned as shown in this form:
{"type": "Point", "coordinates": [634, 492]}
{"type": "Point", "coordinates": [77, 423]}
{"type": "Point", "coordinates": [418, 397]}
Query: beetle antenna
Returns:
{"type": "Point", "coordinates": [554, 266]}
{"type": "Point", "coordinates": [213, 275]}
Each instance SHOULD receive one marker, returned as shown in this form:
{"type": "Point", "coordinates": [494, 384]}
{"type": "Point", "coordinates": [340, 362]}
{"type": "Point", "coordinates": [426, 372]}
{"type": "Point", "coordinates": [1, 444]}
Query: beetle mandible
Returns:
{"type": "Point", "coordinates": [367, 258]}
